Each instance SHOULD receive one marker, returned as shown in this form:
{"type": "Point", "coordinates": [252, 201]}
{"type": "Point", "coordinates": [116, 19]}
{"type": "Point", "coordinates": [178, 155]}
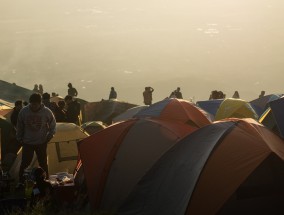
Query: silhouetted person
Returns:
{"type": "Point", "coordinates": [42, 189]}
{"type": "Point", "coordinates": [60, 113]}
{"type": "Point", "coordinates": [217, 95]}
{"type": "Point", "coordinates": [262, 94]}
{"type": "Point", "coordinates": [147, 95]}
{"type": "Point", "coordinates": [47, 103]}
{"type": "Point", "coordinates": [40, 89]}
{"type": "Point", "coordinates": [236, 95]}
{"type": "Point", "coordinates": [35, 128]}
{"type": "Point", "coordinates": [71, 90]}
{"type": "Point", "coordinates": [36, 90]}
{"type": "Point", "coordinates": [16, 110]}
{"type": "Point", "coordinates": [178, 93]}
{"type": "Point", "coordinates": [112, 94]}
{"type": "Point", "coordinates": [73, 110]}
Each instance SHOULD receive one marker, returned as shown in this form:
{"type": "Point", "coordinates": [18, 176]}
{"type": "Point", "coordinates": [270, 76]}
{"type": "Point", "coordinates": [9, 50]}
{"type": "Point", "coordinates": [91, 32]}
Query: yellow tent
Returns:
{"type": "Point", "coordinates": [235, 108]}
{"type": "Point", "coordinates": [62, 150]}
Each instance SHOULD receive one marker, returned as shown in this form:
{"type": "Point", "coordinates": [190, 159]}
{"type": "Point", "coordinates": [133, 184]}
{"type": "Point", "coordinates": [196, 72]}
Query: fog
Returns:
{"type": "Point", "coordinates": [197, 45]}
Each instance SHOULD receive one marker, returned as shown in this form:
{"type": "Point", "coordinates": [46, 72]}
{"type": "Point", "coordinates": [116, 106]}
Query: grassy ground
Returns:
{"type": "Point", "coordinates": [43, 208]}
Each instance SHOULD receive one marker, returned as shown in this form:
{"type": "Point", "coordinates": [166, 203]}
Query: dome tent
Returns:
{"type": "Point", "coordinates": [233, 166]}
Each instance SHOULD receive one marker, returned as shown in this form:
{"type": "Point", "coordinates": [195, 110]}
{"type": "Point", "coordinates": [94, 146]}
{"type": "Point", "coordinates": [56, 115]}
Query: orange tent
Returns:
{"type": "Point", "coordinates": [115, 158]}
{"type": "Point", "coordinates": [230, 167]}
{"type": "Point", "coordinates": [176, 109]}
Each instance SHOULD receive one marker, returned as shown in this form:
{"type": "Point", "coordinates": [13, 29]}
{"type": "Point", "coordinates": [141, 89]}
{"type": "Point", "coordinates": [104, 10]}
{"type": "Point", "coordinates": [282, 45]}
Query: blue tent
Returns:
{"type": "Point", "coordinates": [273, 117]}
{"type": "Point", "coordinates": [261, 104]}
{"type": "Point", "coordinates": [211, 106]}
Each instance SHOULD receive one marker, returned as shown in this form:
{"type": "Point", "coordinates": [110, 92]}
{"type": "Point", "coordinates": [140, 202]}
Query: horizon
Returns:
{"type": "Point", "coordinates": [198, 46]}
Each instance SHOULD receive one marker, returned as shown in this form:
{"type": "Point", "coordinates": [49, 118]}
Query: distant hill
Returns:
{"type": "Point", "coordinates": [11, 92]}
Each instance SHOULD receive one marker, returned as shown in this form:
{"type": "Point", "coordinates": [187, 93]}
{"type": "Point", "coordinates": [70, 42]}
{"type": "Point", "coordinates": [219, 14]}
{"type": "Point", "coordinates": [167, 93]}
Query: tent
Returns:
{"type": "Point", "coordinates": [178, 110]}
{"type": "Point", "coordinates": [210, 106]}
{"type": "Point", "coordinates": [235, 108]}
{"type": "Point", "coordinates": [129, 113]}
{"type": "Point", "coordinates": [233, 166]}
{"type": "Point", "coordinates": [261, 104]}
{"type": "Point", "coordinates": [92, 127]}
{"type": "Point", "coordinates": [105, 110]}
{"type": "Point", "coordinates": [273, 117]}
{"type": "Point", "coordinates": [115, 158]}
{"type": "Point", "coordinates": [7, 136]}
{"type": "Point", "coordinates": [61, 150]}
{"type": "Point", "coordinates": [6, 109]}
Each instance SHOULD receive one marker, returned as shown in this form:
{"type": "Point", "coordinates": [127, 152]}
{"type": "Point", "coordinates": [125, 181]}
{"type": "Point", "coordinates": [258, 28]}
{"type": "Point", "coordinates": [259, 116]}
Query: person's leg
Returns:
{"type": "Point", "coordinates": [42, 157]}
{"type": "Point", "coordinates": [27, 156]}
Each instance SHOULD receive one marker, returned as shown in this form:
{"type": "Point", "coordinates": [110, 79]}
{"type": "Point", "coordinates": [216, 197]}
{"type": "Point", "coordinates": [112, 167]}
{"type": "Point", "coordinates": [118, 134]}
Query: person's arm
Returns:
{"type": "Point", "coordinates": [76, 92]}
{"type": "Point", "coordinates": [152, 89]}
{"type": "Point", "coordinates": [52, 126]}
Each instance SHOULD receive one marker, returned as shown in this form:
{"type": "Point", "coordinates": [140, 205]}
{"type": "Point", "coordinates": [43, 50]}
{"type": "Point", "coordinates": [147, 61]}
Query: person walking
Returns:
{"type": "Point", "coordinates": [147, 95]}
{"type": "Point", "coordinates": [35, 127]}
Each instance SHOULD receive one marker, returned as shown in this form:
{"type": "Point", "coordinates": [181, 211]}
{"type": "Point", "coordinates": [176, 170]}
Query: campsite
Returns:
{"type": "Point", "coordinates": [171, 157]}
{"type": "Point", "coordinates": [153, 107]}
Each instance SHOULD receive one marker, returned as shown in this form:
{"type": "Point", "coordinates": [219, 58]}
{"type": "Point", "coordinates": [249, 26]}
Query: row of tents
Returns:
{"type": "Point", "coordinates": [176, 157]}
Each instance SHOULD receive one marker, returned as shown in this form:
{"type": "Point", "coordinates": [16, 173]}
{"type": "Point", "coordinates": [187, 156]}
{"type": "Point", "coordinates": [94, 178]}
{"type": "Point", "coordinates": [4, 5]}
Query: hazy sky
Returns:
{"type": "Point", "coordinates": [198, 45]}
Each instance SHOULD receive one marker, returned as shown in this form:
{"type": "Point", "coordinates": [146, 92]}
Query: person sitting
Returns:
{"type": "Point", "coordinates": [73, 110]}
{"type": "Point", "coordinates": [42, 189]}
{"type": "Point", "coordinates": [112, 94]}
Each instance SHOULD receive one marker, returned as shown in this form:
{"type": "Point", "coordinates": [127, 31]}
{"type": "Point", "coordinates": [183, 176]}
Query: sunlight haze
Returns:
{"type": "Point", "coordinates": [198, 46]}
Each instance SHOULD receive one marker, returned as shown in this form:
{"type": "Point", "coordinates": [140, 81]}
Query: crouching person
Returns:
{"type": "Point", "coordinates": [42, 194]}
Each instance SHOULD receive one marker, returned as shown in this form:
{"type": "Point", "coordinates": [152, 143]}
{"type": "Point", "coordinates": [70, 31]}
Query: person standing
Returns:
{"type": "Point", "coordinates": [36, 90]}
{"type": "Point", "coordinates": [15, 113]}
{"type": "Point", "coordinates": [35, 127]}
{"type": "Point", "coordinates": [178, 93]}
{"type": "Point", "coordinates": [147, 95]}
{"type": "Point", "coordinates": [40, 89]}
{"type": "Point", "coordinates": [72, 91]}
{"type": "Point", "coordinates": [73, 110]}
{"type": "Point", "coordinates": [112, 94]}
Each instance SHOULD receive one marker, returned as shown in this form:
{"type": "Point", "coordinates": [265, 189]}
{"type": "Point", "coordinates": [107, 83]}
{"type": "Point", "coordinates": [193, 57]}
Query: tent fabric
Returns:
{"type": "Point", "coordinates": [128, 114]}
{"type": "Point", "coordinates": [261, 104]}
{"type": "Point", "coordinates": [61, 150]}
{"type": "Point", "coordinates": [277, 107]}
{"type": "Point", "coordinates": [211, 106]}
{"type": "Point", "coordinates": [201, 172]}
{"type": "Point", "coordinates": [7, 138]}
{"type": "Point", "coordinates": [115, 158]}
{"type": "Point", "coordinates": [235, 108]}
{"type": "Point", "coordinates": [273, 117]}
{"type": "Point", "coordinates": [92, 127]}
{"type": "Point", "coordinates": [178, 110]}
{"type": "Point", "coordinates": [105, 110]}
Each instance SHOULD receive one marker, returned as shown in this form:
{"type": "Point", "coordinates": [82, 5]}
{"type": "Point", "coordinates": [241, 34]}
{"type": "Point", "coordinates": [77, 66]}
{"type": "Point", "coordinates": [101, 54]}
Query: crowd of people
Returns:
{"type": "Point", "coordinates": [35, 125]}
